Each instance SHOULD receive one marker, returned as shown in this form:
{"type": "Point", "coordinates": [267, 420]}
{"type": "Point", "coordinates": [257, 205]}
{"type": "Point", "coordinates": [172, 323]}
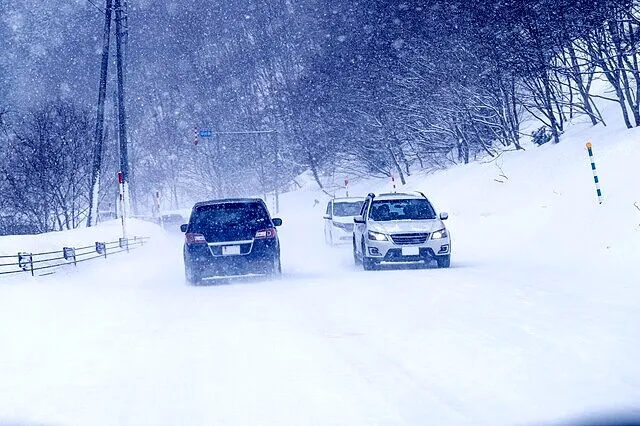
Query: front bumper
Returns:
{"type": "Point", "coordinates": [389, 251]}
{"type": "Point", "coordinates": [258, 258]}
{"type": "Point", "coordinates": [341, 236]}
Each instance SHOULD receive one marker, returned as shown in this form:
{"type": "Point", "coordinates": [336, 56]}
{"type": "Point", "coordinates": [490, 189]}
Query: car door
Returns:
{"type": "Point", "coordinates": [328, 215]}
{"type": "Point", "coordinates": [360, 228]}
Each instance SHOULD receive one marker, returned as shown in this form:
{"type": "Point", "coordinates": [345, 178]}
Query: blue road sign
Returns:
{"type": "Point", "coordinates": [205, 133]}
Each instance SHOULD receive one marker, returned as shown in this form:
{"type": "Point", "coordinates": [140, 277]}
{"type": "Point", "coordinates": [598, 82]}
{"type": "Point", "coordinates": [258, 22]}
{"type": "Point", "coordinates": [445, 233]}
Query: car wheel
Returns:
{"type": "Point", "coordinates": [274, 270]}
{"type": "Point", "coordinates": [369, 264]}
{"type": "Point", "coordinates": [444, 261]}
{"type": "Point", "coordinates": [277, 267]}
{"type": "Point", "coordinates": [194, 277]}
{"type": "Point", "coordinates": [356, 259]}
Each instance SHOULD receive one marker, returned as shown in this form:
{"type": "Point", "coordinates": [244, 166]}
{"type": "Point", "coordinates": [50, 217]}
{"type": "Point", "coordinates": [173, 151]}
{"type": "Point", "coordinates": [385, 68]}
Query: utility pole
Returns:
{"type": "Point", "coordinates": [277, 164]}
{"type": "Point", "coordinates": [122, 117]}
{"type": "Point", "coordinates": [99, 133]}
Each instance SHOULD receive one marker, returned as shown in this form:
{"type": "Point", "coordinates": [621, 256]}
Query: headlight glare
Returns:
{"type": "Point", "coordinates": [377, 236]}
{"type": "Point", "coordinates": [439, 234]}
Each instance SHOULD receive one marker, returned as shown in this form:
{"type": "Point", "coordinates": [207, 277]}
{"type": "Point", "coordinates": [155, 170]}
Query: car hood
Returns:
{"type": "Point", "coordinates": [406, 226]}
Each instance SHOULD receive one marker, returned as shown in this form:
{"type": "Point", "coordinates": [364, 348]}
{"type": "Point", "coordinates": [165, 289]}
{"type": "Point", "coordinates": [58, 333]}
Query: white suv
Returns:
{"type": "Point", "coordinates": [338, 219]}
{"type": "Point", "coordinates": [400, 228]}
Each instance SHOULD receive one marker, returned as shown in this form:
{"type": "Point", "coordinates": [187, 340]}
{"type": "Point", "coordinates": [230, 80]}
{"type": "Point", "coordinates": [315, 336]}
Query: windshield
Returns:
{"type": "Point", "coordinates": [412, 209]}
{"type": "Point", "coordinates": [350, 208]}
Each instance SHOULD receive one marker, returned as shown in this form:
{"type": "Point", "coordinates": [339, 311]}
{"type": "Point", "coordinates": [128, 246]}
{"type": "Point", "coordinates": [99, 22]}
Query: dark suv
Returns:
{"type": "Point", "coordinates": [231, 237]}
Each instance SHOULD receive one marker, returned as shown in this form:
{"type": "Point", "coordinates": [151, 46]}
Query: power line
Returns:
{"type": "Point", "coordinates": [97, 7]}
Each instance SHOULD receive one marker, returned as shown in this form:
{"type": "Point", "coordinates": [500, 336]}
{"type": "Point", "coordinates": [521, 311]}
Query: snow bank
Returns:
{"type": "Point", "coordinates": [106, 231]}
{"type": "Point", "coordinates": [537, 321]}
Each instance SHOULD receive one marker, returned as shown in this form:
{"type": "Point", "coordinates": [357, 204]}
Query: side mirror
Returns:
{"type": "Point", "coordinates": [183, 227]}
{"type": "Point", "coordinates": [444, 216]}
{"type": "Point", "coordinates": [326, 216]}
{"type": "Point", "coordinates": [276, 221]}
{"type": "Point", "coordinates": [358, 219]}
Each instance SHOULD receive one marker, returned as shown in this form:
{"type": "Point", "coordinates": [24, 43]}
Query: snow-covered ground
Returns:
{"type": "Point", "coordinates": [537, 321]}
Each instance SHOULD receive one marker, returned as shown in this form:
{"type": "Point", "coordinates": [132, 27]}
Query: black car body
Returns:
{"type": "Point", "coordinates": [231, 237]}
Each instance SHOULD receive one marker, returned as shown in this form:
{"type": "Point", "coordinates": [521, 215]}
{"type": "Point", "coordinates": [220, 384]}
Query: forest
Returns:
{"type": "Point", "coordinates": [360, 88]}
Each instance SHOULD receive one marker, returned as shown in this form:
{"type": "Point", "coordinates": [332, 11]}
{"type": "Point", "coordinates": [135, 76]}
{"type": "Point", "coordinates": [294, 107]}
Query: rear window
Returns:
{"type": "Point", "coordinates": [227, 215]}
{"type": "Point", "coordinates": [351, 208]}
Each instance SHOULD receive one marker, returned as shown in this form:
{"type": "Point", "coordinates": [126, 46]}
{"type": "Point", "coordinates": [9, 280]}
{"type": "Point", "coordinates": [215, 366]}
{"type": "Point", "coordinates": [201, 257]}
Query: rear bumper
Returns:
{"type": "Point", "coordinates": [260, 260]}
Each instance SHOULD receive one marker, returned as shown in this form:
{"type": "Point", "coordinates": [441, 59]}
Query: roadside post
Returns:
{"type": "Point", "coordinates": [123, 210]}
{"type": "Point", "coordinates": [156, 207]}
{"type": "Point", "coordinates": [595, 173]}
{"type": "Point", "coordinates": [69, 254]}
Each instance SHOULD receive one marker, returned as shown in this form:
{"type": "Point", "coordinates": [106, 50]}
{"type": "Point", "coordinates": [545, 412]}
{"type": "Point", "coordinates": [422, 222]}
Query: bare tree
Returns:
{"type": "Point", "coordinates": [47, 169]}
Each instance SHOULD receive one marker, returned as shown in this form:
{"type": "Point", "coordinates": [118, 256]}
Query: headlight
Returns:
{"type": "Point", "coordinates": [439, 234]}
{"type": "Point", "coordinates": [377, 236]}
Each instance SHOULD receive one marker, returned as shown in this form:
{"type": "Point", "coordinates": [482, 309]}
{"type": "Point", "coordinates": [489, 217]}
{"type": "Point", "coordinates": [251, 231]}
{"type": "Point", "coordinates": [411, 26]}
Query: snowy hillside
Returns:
{"type": "Point", "coordinates": [537, 321]}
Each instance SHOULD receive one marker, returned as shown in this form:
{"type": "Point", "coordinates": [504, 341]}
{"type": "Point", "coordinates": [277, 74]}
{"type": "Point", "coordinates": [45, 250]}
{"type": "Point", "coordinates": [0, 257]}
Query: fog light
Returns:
{"type": "Point", "coordinates": [373, 251]}
{"type": "Point", "coordinates": [444, 248]}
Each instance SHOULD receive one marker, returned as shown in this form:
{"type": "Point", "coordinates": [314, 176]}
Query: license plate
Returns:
{"type": "Point", "coordinates": [230, 250]}
{"type": "Point", "coordinates": [410, 251]}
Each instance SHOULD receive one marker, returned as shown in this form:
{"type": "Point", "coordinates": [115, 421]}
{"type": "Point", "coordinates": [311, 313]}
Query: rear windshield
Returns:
{"type": "Point", "coordinates": [412, 209]}
{"type": "Point", "coordinates": [227, 215]}
{"type": "Point", "coordinates": [351, 208]}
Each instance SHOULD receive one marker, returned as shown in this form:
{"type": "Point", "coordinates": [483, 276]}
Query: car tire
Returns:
{"type": "Point", "coordinates": [443, 261]}
{"type": "Point", "coordinates": [277, 267]}
{"type": "Point", "coordinates": [369, 264]}
{"type": "Point", "coordinates": [274, 270]}
{"type": "Point", "coordinates": [356, 259]}
{"type": "Point", "coordinates": [194, 277]}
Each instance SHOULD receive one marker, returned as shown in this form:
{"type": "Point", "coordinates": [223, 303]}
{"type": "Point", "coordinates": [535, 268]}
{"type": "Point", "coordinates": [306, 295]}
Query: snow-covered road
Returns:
{"type": "Point", "coordinates": [486, 342]}
{"type": "Point", "coordinates": [537, 321]}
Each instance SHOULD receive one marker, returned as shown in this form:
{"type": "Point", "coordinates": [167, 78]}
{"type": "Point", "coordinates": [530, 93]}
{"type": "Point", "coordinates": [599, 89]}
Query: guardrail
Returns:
{"type": "Point", "coordinates": [33, 262]}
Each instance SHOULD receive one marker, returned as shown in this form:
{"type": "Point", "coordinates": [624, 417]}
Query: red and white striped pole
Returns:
{"type": "Point", "coordinates": [393, 181]}
{"type": "Point", "coordinates": [156, 203]}
{"type": "Point", "coordinates": [123, 211]}
{"type": "Point", "coordinates": [346, 186]}
{"type": "Point", "coordinates": [195, 141]}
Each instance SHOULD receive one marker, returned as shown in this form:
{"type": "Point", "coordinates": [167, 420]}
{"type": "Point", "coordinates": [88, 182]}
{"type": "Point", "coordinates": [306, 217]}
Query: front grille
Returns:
{"type": "Point", "coordinates": [413, 238]}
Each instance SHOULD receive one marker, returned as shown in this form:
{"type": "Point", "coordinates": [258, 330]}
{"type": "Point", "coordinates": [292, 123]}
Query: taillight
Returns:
{"type": "Point", "coordinates": [266, 233]}
{"type": "Point", "coordinates": [195, 239]}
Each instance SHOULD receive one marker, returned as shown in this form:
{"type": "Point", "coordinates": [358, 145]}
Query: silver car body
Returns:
{"type": "Point", "coordinates": [338, 226]}
{"type": "Point", "coordinates": [378, 242]}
